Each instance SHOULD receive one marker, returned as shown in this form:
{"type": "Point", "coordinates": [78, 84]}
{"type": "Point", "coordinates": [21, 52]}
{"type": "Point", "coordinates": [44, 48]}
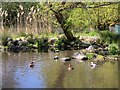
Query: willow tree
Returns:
{"type": "Point", "coordinates": [61, 12]}
{"type": "Point", "coordinates": [1, 20]}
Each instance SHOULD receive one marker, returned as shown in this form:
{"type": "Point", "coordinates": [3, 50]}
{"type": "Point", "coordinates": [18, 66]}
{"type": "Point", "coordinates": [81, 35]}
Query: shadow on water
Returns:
{"type": "Point", "coordinates": [49, 73]}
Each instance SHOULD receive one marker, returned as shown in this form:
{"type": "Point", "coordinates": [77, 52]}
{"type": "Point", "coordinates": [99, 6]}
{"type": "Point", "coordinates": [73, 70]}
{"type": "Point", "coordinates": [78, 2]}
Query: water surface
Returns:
{"type": "Point", "coordinates": [48, 73]}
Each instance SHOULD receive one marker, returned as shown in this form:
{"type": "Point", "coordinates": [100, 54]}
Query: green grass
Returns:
{"type": "Point", "coordinates": [113, 49]}
{"type": "Point", "coordinates": [90, 55]}
{"type": "Point", "coordinates": [93, 33]}
{"type": "Point", "coordinates": [49, 35]}
{"type": "Point", "coordinates": [110, 37]}
{"type": "Point", "coordinates": [106, 37]}
{"type": "Point", "coordinates": [4, 38]}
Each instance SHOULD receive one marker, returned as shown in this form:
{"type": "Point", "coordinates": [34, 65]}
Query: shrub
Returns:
{"type": "Point", "coordinates": [4, 38]}
{"type": "Point", "coordinates": [42, 42]}
{"type": "Point", "coordinates": [61, 41]}
{"type": "Point", "coordinates": [31, 40]}
{"type": "Point", "coordinates": [90, 55]}
{"type": "Point", "coordinates": [113, 49]}
{"type": "Point", "coordinates": [109, 37]}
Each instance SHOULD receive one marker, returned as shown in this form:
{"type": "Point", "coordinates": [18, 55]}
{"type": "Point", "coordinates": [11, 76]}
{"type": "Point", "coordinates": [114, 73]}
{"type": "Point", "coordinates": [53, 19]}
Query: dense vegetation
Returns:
{"type": "Point", "coordinates": [77, 16]}
{"type": "Point", "coordinates": [38, 22]}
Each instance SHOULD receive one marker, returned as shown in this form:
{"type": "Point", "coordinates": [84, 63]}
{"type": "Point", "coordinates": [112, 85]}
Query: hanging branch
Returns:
{"type": "Point", "coordinates": [82, 5]}
{"type": "Point", "coordinates": [106, 4]}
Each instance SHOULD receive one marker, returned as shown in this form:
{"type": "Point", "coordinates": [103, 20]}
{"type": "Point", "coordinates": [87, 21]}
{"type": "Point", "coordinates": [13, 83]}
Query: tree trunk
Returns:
{"type": "Point", "coordinates": [1, 17]}
{"type": "Point", "coordinates": [62, 22]}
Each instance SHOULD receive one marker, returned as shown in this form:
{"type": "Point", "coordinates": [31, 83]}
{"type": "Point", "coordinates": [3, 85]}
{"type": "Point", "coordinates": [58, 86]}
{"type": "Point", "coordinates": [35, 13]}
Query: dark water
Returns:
{"type": "Point", "coordinates": [48, 73]}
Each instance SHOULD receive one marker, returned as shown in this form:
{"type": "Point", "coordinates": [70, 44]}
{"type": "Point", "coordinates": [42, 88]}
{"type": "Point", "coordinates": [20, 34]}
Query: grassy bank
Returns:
{"type": "Point", "coordinates": [109, 40]}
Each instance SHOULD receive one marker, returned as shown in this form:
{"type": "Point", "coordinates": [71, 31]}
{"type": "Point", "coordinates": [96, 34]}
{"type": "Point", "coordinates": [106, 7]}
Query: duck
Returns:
{"type": "Point", "coordinates": [93, 65]}
{"type": "Point", "coordinates": [55, 57]}
{"type": "Point", "coordinates": [70, 67]}
{"type": "Point", "coordinates": [31, 64]}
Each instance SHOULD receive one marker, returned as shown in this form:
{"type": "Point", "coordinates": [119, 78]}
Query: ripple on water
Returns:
{"type": "Point", "coordinates": [52, 74]}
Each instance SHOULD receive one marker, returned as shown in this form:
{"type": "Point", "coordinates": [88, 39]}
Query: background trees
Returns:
{"type": "Point", "coordinates": [70, 16]}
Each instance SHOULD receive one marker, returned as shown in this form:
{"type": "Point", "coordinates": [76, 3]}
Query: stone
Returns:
{"type": "Point", "coordinates": [65, 59]}
{"type": "Point", "coordinates": [55, 57]}
{"type": "Point", "coordinates": [80, 56]}
{"type": "Point", "coordinates": [90, 48]}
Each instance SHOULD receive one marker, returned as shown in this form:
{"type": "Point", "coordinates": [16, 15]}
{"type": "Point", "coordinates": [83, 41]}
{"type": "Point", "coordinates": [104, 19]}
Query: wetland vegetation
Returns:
{"type": "Point", "coordinates": [80, 34]}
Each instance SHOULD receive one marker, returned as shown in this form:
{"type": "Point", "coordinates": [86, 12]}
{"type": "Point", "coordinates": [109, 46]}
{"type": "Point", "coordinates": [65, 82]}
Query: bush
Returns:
{"type": "Point", "coordinates": [109, 37]}
{"type": "Point", "coordinates": [90, 55]}
{"type": "Point", "coordinates": [61, 41]}
{"type": "Point", "coordinates": [113, 49]}
{"type": "Point", "coordinates": [42, 42]}
{"type": "Point", "coordinates": [31, 40]}
{"type": "Point", "coordinates": [4, 38]}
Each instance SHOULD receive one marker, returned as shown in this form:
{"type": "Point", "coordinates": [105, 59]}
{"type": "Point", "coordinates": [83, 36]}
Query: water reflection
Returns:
{"type": "Point", "coordinates": [48, 73]}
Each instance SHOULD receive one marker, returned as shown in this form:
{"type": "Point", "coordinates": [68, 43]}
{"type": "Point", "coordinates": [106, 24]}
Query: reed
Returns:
{"type": "Point", "coordinates": [4, 37]}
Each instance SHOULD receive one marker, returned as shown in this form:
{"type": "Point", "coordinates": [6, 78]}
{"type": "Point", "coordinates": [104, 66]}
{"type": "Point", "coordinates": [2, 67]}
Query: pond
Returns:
{"type": "Point", "coordinates": [49, 73]}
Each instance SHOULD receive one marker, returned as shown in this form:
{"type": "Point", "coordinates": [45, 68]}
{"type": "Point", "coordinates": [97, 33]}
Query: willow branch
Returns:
{"type": "Point", "coordinates": [101, 5]}
{"type": "Point", "coordinates": [85, 6]}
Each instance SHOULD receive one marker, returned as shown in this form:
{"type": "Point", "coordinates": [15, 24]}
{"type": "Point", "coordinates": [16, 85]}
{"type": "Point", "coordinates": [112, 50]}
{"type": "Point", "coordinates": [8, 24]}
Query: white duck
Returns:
{"type": "Point", "coordinates": [93, 65]}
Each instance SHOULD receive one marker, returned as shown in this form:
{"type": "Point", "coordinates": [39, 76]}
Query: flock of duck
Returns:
{"type": "Point", "coordinates": [78, 56]}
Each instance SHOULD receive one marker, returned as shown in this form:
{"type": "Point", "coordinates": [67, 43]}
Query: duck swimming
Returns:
{"type": "Point", "coordinates": [93, 65]}
{"type": "Point", "coordinates": [70, 67]}
{"type": "Point", "coordinates": [31, 64]}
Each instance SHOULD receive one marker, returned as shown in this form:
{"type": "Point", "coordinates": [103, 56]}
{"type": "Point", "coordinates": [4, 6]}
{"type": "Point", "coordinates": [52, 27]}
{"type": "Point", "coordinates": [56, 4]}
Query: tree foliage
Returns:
{"type": "Point", "coordinates": [68, 15]}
